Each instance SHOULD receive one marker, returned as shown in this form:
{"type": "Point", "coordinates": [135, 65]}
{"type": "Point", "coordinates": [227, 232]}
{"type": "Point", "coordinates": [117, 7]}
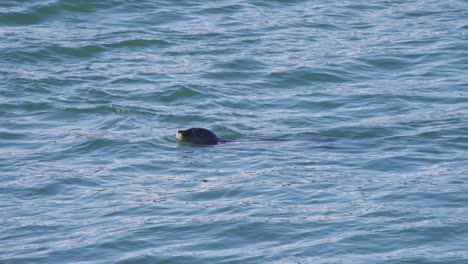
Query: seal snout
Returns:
{"type": "Point", "coordinates": [179, 134]}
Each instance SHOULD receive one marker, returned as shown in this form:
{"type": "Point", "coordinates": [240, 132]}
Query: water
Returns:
{"type": "Point", "coordinates": [374, 97]}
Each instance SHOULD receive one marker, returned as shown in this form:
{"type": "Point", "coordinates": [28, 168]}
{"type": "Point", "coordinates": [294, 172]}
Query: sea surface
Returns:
{"type": "Point", "coordinates": [347, 124]}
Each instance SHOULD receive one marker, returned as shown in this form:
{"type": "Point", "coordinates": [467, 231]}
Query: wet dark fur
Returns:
{"type": "Point", "coordinates": [197, 136]}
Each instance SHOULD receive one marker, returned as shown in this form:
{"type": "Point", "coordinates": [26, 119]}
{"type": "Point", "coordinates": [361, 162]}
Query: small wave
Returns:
{"type": "Point", "coordinates": [242, 64]}
{"type": "Point", "coordinates": [132, 43]}
{"type": "Point", "coordinates": [24, 14]}
{"type": "Point", "coordinates": [387, 63]}
{"type": "Point", "coordinates": [28, 14]}
{"type": "Point", "coordinates": [109, 108]}
{"type": "Point", "coordinates": [93, 144]}
{"type": "Point", "coordinates": [223, 9]}
{"type": "Point", "coordinates": [305, 77]}
{"type": "Point", "coordinates": [52, 53]}
{"type": "Point", "coordinates": [179, 92]}
{"type": "Point", "coordinates": [130, 80]}
{"type": "Point", "coordinates": [27, 107]}
{"type": "Point", "coordinates": [56, 52]}
{"type": "Point", "coordinates": [85, 51]}
{"type": "Point", "coordinates": [19, 18]}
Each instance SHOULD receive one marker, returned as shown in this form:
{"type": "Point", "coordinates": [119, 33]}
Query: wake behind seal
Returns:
{"type": "Point", "coordinates": [197, 135]}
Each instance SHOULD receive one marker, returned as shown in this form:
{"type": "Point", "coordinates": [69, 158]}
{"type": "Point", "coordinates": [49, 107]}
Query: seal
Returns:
{"type": "Point", "coordinates": [197, 135]}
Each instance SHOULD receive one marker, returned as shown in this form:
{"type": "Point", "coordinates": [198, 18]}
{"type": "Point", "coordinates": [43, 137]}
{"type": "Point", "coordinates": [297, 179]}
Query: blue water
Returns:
{"type": "Point", "coordinates": [368, 101]}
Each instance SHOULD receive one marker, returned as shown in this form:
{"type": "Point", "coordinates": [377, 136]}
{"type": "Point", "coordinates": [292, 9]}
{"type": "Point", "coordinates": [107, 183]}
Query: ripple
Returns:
{"type": "Point", "coordinates": [19, 18]}
{"type": "Point", "coordinates": [29, 14]}
{"type": "Point", "coordinates": [130, 43]}
{"type": "Point", "coordinates": [180, 93]}
{"type": "Point", "coordinates": [305, 77]}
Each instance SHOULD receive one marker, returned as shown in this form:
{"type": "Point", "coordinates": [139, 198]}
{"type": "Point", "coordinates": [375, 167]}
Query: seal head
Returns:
{"type": "Point", "coordinates": [197, 136]}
